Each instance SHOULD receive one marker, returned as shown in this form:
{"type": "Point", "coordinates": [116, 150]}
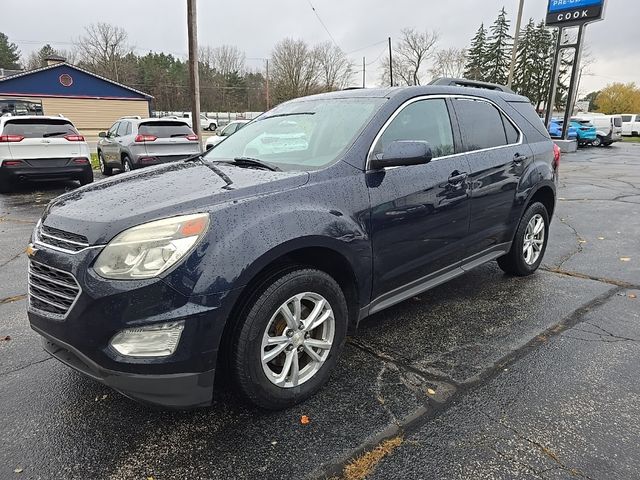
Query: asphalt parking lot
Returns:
{"type": "Point", "coordinates": [484, 377]}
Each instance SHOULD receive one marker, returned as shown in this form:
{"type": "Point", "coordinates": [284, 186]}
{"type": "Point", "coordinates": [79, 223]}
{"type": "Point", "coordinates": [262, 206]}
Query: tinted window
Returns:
{"type": "Point", "coordinates": [527, 111]}
{"type": "Point", "coordinates": [626, 118]}
{"type": "Point", "coordinates": [39, 128]}
{"type": "Point", "coordinates": [617, 121]}
{"type": "Point", "coordinates": [512, 133]}
{"type": "Point", "coordinates": [122, 129]}
{"type": "Point", "coordinates": [480, 124]}
{"type": "Point", "coordinates": [165, 129]}
{"type": "Point", "coordinates": [426, 120]}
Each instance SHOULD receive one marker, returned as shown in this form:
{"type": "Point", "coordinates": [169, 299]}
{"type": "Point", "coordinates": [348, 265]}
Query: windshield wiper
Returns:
{"type": "Point", "coordinates": [254, 162]}
{"type": "Point", "coordinates": [53, 134]}
{"type": "Point", "coordinates": [213, 168]}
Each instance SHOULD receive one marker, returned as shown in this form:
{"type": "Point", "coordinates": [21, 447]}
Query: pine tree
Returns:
{"type": "Point", "coordinates": [476, 56]}
{"type": "Point", "coordinates": [499, 50]}
{"type": "Point", "coordinates": [526, 62]}
{"type": "Point", "coordinates": [9, 53]}
{"type": "Point", "coordinates": [544, 50]}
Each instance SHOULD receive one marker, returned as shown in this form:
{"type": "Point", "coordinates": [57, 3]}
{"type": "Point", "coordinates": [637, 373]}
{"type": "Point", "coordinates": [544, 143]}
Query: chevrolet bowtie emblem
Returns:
{"type": "Point", "coordinates": [31, 250]}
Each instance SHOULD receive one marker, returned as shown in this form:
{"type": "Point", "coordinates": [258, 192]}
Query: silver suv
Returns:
{"type": "Point", "coordinates": [133, 143]}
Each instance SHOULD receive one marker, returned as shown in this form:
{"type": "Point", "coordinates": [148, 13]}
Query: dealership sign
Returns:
{"type": "Point", "coordinates": [574, 12]}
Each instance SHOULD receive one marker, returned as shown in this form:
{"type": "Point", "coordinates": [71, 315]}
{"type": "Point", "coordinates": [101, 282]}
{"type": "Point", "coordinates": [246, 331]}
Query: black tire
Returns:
{"type": "Point", "coordinates": [597, 142]}
{"type": "Point", "coordinates": [514, 262]}
{"type": "Point", "coordinates": [86, 178]}
{"type": "Point", "coordinates": [607, 144]}
{"type": "Point", "coordinates": [246, 348]}
{"type": "Point", "coordinates": [127, 166]}
{"type": "Point", "coordinates": [107, 171]}
{"type": "Point", "coordinates": [5, 187]}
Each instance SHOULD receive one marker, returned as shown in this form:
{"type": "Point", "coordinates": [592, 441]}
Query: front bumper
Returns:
{"type": "Point", "coordinates": [178, 390]}
{"type": "Point", "coordinates": [81, 338]}
{"type": "Point", "coordinates": [26, 172]}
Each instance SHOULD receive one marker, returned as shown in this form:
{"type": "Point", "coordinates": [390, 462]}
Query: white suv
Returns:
{"type": "Point", "coordinates": [631, 125]}
{"type": "Point", "coordinates": [41, 148]}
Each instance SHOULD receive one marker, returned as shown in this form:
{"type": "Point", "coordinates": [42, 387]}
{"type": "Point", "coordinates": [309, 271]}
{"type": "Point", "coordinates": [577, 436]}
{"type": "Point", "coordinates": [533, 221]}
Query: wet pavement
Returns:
{"type": "Point", "coordinates": [484, 377]}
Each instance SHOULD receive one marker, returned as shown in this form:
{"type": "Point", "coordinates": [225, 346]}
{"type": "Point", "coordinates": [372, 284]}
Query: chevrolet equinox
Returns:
{"type": "Point", "coordinates": [257, 257]}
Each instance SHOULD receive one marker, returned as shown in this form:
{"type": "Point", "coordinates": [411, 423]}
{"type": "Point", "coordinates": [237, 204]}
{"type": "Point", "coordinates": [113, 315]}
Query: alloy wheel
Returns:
{"type": "Point", "coordinates": [533, 239]}
{"type": "Point", "coordinates": [297, 340]}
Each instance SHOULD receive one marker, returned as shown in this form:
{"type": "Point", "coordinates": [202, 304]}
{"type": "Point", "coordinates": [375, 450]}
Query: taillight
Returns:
{"type": "Point", "coordinates": [74, 138]}
{"type": "Point", "coordinates": [192, 138]}
{"type": "Point", "coordinates": [12, 163]}
{"type": "Point", "coordinates": [556, 156]}
{"type": "Point", "coordinates": [81, 161]}
{"type": "Point", "coordinates": [11, 138]}
{"type": "Point", "coordinates": [145, 138]}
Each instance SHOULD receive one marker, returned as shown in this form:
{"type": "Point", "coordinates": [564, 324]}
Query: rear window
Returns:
{"type": "Point", "coordinates": [617, 121]}
{"type": "Point", "coordinates": [165, 129]}
{"type": "Point", "coordinates": [527, 111]}
{"type": "Point", "coordinates": [39, 128]}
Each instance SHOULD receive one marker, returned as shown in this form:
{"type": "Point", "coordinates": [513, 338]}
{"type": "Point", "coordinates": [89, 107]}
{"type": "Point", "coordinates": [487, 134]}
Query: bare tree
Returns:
{"type": "Point", "coordinates": [410, 55]}
{"type": "Point", "coordinates": [225, 59]}
{"type": "Point", "coordinates": [449, 62]}
{"type": "Point", "coordinates": [103, 48]}
{"type": "Point", "coordinates": [336, 70]}
{"type": "Point", "coordinates": [294, 69]}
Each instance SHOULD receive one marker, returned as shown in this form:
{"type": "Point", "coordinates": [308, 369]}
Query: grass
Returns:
{"type": "Point", "coordinates": [631, 139]}
{"type": "Point", "coordinates": [362, 466]}
{"type": "Point", "coordinates": [94, 161]}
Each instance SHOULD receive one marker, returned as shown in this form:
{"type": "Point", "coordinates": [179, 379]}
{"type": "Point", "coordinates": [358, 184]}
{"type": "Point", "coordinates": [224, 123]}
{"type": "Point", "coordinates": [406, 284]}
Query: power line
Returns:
{"type": "Point", "coordinates": [322, 23]}
{"type": "Point", "coordinates": [368, 46]}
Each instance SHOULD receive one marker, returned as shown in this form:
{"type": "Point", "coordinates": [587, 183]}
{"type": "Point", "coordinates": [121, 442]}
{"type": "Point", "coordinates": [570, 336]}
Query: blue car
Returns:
{"type": "Point", "coordinates": [555, 130]}
{"type": "Point", "coordinates": [586, 131]}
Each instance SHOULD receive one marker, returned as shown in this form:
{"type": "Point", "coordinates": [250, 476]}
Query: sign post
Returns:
{"type": "Point", "coordinates": [563, 14]}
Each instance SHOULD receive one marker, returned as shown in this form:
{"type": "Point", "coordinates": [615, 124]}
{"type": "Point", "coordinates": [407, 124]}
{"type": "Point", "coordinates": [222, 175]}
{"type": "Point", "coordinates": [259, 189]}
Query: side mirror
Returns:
{"type": "Point", "coordinates": [102, 134]}
{"type": "Point", "coordinates": [402, 153]}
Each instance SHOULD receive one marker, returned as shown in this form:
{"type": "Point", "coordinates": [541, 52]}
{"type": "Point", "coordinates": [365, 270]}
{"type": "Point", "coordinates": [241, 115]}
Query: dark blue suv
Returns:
{"type": "Point", "coordinates": [257, 257]}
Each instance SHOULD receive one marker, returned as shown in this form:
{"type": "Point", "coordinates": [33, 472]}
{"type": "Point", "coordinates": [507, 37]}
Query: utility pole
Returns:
{"type": "Point", "coordinates": [267, 83]}
{"type": "Point", "coordinates": [390, 63]}
{"type": "Point", "coordinates": [194, 77]}
{"type": "Point", "coordinates": [364, 73]}
{"type": "Point", "coordinates": [516, 37]}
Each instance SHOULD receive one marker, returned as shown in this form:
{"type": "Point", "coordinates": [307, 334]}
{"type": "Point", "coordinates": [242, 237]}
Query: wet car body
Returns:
{"type": "Point", "coordinates": [373, 222]}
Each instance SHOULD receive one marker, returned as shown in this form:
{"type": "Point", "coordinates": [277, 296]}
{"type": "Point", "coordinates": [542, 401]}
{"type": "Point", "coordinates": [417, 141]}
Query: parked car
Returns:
{"type": "Point", "coordinates": [608, 128]}
{"type": "Point", "coordinates": [206, 123]}
{"type": "Point", "coordinates": [585, 131]}
{"type": "Point", "coordinates": [259, 265]}
{"type": "Point", "coordinates": [133, 143]}
{"type": "Point", "coordinates": [631, 125]}
{"type": "Point", "coordinates": [230, 129]}
{"type": "Point", "coordinates": [555, 129]}
{"type": "Point", "coordinates": [36, 147]}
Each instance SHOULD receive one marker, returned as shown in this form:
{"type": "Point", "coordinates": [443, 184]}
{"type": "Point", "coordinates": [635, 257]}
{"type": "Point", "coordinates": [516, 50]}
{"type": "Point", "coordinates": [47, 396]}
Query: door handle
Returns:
{"type": "Point", "coordinates": [518, 159]}
{"type": "Point", "coordinates": [457, 178]}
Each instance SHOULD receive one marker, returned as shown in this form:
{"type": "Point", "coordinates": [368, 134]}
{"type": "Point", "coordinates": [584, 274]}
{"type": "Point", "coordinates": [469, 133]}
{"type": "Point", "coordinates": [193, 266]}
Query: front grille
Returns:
{"type": "Point", "coordinates": [51, 290]}
{"type": "Point", "coordinates": [61, 239]}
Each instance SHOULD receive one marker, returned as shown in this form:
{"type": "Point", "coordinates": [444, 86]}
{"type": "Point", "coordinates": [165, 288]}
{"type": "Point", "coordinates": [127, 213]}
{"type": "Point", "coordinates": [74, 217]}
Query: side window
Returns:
{"type": "Point", "coordinates": [480, 123]}
{"type": "Point", "coordinates": [122, 129]}
{"type": "Point", "coordinates": [626, 118]}
{"type": "Point", "coordinates": [128, 129]}
{"type": "Point", "coordinates": [512, 132]}
{"type": "Point", "coordinates": [426, 120]}
{"type": "Point", "coordinates": [112, 131]}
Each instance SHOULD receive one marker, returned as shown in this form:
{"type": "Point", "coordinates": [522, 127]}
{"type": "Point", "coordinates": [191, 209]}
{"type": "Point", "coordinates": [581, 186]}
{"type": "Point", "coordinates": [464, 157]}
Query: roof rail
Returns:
{"type": "Point", "coordinates": [131, 117]}
{"type": "Point", "coordinates": [353, 88]}
{"type": "Point", "coordinates": [463, 82]}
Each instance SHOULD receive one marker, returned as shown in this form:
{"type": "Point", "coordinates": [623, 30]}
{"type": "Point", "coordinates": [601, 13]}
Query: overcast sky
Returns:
{"type": "Point", "coordinates": [256, 25]}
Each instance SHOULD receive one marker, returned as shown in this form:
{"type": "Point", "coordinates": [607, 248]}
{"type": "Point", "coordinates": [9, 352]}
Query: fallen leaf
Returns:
{"type": "Point", "coordinates": [6, 338]}
{"type": "Point", "coordinates": [18, 470]}
{"type": "Point", "coordinates": [274, 443]}
{"type": "Point", "coordinates": [304, 420]}
{"type": "Point", "coordinates": [104, 397]}
{"type": "Point", "coordinates": [600, 238]}
{"type": "Point", "coordinates": [431, 391]}
{"type": "Point", "coordinates": [150, 478]}
{"type": "Point", "coordinates": [625, 259]}
{"type": "Point", "coordinates": [580, 240]}
{"type": "Point", "coordinates": [633, 295]}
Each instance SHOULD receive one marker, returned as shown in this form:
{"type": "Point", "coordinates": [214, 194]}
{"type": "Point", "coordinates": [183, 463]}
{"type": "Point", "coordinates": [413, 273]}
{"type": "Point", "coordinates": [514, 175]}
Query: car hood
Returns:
{"type": "Point", "coordinates": [101, 210]}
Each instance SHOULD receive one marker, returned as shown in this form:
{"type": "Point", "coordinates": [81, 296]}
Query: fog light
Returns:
{"type": "Point", "coordinates": [154, 341]}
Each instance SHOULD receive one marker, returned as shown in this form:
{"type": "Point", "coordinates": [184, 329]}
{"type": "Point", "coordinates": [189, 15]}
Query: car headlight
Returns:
{"type": "Point", "coordinates": [149, 249]}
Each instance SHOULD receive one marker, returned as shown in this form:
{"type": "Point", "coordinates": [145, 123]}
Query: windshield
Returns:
{"type": "Point", "coordinates": [301, 135]}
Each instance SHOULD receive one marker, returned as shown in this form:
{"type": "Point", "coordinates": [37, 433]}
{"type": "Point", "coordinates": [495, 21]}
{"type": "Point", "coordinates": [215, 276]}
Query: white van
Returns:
{"type": "Point", "coordinates": [608, 128]}
{"type": "Point", "coordinates": [631, 125]}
